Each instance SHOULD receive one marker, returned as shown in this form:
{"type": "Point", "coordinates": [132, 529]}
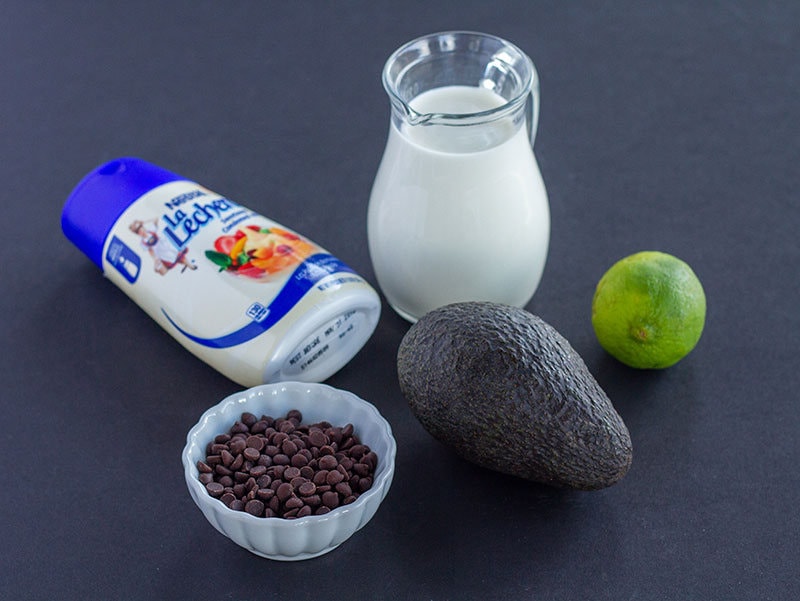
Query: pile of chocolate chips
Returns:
{"type": "Point", "coordinates": [282, 468]}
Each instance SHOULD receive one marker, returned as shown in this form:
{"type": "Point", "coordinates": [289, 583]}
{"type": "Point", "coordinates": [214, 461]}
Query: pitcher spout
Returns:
{"type": "Point", "coordinates": [405, 113]}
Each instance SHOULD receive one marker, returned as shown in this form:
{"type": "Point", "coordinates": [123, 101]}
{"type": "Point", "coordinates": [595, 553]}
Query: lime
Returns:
{"type": "Point", "coordinates": [649, 310]}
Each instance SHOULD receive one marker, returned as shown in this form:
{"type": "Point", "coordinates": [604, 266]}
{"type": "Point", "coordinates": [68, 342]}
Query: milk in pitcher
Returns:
{"type": "Point", "coordinates": [458, 213]}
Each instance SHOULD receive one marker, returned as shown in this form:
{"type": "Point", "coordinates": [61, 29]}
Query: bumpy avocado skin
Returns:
{"type": "Point", "coordinates": [507, 392]}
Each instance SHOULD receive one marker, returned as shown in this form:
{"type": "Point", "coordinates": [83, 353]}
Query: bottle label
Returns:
{"type": "Point", "coordinates": [218, 276]}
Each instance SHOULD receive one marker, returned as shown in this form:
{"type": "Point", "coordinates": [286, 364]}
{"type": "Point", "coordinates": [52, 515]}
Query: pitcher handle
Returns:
{"type": "Point", "coordinates": [533, 111]}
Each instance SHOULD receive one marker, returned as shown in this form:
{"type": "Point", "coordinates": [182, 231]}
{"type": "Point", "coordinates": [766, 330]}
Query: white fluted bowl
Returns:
{"type": "Point", "coordinates": [311, 536]}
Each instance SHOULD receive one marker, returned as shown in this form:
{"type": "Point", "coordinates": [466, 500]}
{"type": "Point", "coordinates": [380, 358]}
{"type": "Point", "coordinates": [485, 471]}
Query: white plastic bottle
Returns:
{"type": "Point", "coordinates": [253, 299]}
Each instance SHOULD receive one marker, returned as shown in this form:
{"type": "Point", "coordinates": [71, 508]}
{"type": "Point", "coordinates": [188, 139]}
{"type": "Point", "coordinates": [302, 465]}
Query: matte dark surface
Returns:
{"type": "Point", "coordinates": [668, 126]}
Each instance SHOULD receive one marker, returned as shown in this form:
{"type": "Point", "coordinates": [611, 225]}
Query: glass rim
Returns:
{"type": "Point", "coordinates": [530, 83]}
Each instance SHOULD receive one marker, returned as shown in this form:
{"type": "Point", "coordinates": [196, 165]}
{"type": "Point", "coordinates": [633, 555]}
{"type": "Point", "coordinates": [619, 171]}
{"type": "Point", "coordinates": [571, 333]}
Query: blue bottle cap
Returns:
{"type": "Point", "coordinates": [102, 196]}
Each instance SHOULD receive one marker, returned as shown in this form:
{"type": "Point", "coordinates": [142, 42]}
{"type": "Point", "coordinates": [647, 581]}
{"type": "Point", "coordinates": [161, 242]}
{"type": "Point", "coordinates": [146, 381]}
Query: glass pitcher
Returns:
{"type": "Point", "coordinates": [458, 210]}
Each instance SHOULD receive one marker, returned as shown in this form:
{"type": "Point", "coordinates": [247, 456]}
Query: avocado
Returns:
{"type": "Point", "coordinates": [507, 392]}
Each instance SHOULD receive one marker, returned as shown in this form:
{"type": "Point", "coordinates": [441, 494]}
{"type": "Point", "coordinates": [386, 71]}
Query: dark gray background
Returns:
{"type": "Point", "coordinates": [668, 126]}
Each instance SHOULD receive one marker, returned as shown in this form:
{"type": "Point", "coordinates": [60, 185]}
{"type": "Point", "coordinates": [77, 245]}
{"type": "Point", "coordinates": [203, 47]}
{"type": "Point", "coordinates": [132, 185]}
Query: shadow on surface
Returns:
{"type": "Point", "coordinates": [509, 521]}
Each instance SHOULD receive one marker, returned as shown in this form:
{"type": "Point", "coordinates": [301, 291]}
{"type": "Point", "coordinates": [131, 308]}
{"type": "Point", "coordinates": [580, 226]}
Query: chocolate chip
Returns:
{"type": "Point", "coordinates": [290, 473]}
{"type": "Point", "coordinates": [254, 507]}
{"type": "Point", "coordinates": [317, 438]}
{"type": "Point", "coordinates": [239, 427]}
{"type": "Point", "coordinates": [284, 491]}
{"type": "Point", "coordinates": [330, 499]}
{"type": "Point", "coordinates": [236, 446]}
{"type": "Point", "coordinates": [357, 450]}
{"type": "Point", "coordinates": [362, 469]}
{"type": "Point", "coordinates": [334, 477]}
{"type": "Point", "coordinates": [326, 450]}
{"type": "Point", "coordinates": [289, 448]}
{"type": "Point", "coordinates": [281, 459]}
{"type": "Point", "coordinates": [238, 462]}
{"type": "Point", "coordinates": [265, 493]}
{"type": "Point", "coordinates": [293, 503]}
{"type": "Point", "coordinates": [259, 427]}
{"type": "Point", "coordinates": [257, 471]}
{"type": "Point", "coordinates": [222, 470]}
{"type": "Point", "coordinates": [307, 489]}
{"type": "Point", "coordinates": [298, 482]}
{"type": "Point", "coordinates": [313, 500]}
{"type": "Point", "coordinates": [328, 462]}
{"type": "Point", "coordinates": [299, 460]}
{"type": "Point", "coordinates": [335, 435]}
{"type": "Point", "coordinates": [251, 454]}
{"type": "Point", "coordinates": [255, 442]}
{"type": "Point", "coordinates": [214, 489]}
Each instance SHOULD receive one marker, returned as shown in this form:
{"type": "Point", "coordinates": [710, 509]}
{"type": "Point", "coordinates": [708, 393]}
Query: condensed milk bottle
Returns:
{"type": "Point", "coordinates": [250, 297]}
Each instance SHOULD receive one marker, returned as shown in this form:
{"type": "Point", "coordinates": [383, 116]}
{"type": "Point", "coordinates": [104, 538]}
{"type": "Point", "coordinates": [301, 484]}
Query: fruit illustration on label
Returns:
{"type": "Point", "coordinates": [258, 253]}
